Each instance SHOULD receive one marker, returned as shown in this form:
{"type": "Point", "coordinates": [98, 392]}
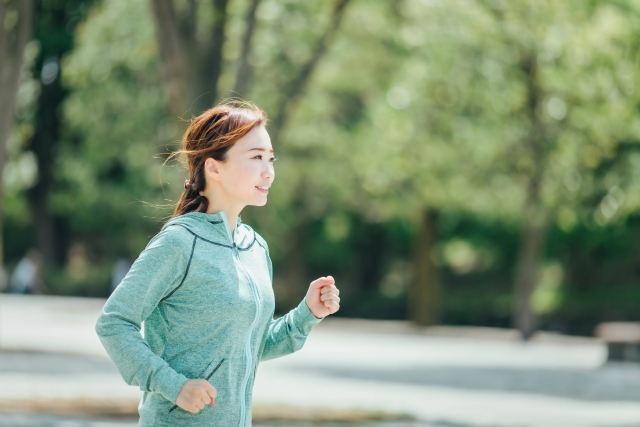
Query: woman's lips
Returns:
{"type": "Point", "coordinates": [263, 189]}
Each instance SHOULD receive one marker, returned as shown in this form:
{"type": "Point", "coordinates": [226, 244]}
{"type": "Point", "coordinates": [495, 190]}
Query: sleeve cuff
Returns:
{"type": "Point", "coordinates": [173, 385]}
{"type": "Point", "coordinates": [304, 318]}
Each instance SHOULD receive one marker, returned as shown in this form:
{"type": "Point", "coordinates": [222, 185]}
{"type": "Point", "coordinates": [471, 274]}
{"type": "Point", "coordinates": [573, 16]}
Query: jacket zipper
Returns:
{"type": "Point", "coordinates": [248, 351]}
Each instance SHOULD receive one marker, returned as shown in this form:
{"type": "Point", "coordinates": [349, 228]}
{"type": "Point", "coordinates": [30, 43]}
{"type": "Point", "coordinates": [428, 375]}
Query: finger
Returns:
{"type": "Point", "coordinates": [200, 404]}
{"type": "Point", "coordinates": [210, 390]}
{"type": "Point", "coordinates": [330, 296]}
{"type": "Point", "coordinates": [202, 391]}
{"type": "Point", "coordinates": [330, 288]}
{"type": "Point", "coordinates": [207, 401]}
{"type": "Point", "coordinates": [212, 393]}
{"type": "Point", "coordinates": [319, 283]}
{"type": "Point", "coordinates": [332, 306]}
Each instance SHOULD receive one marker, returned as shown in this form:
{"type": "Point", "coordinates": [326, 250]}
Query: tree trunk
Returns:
{"type": "Point", "coordinates": [529, 254]}
{"type": "Point", "coordinates": [190, 66]}
{"type": "Point", "coordinates": [44, 144]}
{"type": "Point", "coordinates": [244, 74]}
{"type": "Point", "coordinates": [295, 88]}
{"type": "Point", "coordinates": [207, 65]}
{"type": "Point", "coordinates": [13, 39]}
{"type": "Point", "coordinates": [173, 56]}
{"type": "Point", "coordinates": [534, 217]}
{"type": "Point", "coordinates": [54, 32]}
{"type": "Point", "coordinates": [532, 236]}
{"type": "Point", "coordinates": [424, 298]}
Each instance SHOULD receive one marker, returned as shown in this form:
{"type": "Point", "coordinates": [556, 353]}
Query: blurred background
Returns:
{"type": "Point", "coordinates": [468, 163]}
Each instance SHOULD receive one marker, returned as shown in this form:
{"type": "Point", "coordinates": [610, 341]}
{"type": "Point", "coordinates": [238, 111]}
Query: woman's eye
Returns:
{"type": "Point", "coordinates": [259, 156]}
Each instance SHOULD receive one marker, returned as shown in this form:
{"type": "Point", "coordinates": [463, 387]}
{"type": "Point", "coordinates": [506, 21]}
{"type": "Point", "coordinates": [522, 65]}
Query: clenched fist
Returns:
{"type": "Point", "coordinates": [322, 297]}
{"type": "Point", "coordinates": [195, 395]}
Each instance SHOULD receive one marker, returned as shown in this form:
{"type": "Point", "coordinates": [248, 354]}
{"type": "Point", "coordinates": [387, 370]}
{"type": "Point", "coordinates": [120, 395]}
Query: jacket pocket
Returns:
{"type": "Point", "coordinates": [208, 377]}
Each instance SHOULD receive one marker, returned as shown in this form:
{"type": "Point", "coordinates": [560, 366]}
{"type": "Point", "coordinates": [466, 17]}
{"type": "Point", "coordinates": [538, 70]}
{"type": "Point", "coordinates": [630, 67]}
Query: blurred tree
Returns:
{"type": "Point", "coordinates": [292, 88]}
{"type": "Point", "coordinates": [424, 300]}
{"type": "Point", "coordinates": [502, 110]}
{"type": "Point", "coordinates": [244, 75]}
{"type": "Point", "coordinates": [576, 105]}
{"type": "Point", "coordinates": [191, 37]}
{"type": "Point", "coordinates": [116, 128]}
{"type": "Point", "coordinates": [417, 111]}
{"type": "Point", "coordinates": [54, 32]}
{"type": "Point", "coordinates": [16, 20]}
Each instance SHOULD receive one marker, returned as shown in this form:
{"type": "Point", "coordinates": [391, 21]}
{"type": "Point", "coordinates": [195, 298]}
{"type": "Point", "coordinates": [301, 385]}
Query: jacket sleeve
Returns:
{"type": "Point", "coordinates": [288, 333]}
{"type": "Point", "coordinates": [158, 271]}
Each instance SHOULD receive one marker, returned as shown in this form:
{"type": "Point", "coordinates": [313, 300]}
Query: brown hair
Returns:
{"type": "Point", "coordinates": [211, 134]}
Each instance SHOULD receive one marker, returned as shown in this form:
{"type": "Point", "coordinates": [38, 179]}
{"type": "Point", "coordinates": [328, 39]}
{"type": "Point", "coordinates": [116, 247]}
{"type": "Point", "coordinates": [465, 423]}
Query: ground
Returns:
{"type": "Point", "coordinates": [348, 370]}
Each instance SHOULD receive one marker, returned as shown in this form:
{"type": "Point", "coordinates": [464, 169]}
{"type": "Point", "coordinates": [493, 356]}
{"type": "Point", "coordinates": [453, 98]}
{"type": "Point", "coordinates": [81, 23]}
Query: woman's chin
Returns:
{"type": "Point", "coordinates": [259, 202]}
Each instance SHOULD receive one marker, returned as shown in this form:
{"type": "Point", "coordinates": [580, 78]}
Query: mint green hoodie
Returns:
{"type": "Point", "coordinates": [207, 304]}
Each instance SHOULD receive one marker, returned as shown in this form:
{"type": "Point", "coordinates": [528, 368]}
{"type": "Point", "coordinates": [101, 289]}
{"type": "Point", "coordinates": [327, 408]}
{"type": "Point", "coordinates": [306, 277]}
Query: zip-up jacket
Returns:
{"type": "Point", "coordinates": [206, 299]}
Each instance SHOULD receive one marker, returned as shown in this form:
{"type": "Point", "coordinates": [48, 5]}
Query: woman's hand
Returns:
{"type": "Point", "coordinates": [322, 297]}
{"type": "Point", "coordinates": [195, 395]}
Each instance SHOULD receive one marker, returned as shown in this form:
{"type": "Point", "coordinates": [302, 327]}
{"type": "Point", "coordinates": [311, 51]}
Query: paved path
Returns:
{"type": "Point", "coordinates": [453, 377]}
{"type": "Point", "coordinates": [31, 420]}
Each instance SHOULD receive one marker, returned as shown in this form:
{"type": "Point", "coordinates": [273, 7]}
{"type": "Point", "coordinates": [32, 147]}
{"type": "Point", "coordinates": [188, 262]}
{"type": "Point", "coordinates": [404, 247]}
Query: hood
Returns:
{"type": "Point", "coordinates": [214, 227]}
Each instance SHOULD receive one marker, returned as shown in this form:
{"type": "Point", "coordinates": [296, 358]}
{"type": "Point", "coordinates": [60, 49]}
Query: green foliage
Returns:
{"type": "Point", "coordinates": [111, 165]}
{"type": "Point", "coordinates": [417, 104]}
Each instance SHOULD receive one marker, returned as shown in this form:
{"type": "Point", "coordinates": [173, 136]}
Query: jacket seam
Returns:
{"type": "Point", "coordinates": [202, 238]}
{"type": "Point", "coordinates": [220, 244]}
{"type": "Point", "coordinates": [186, 272]}
{"type": "Point", "coordinates": [250, 245]}
{"type": "Point", "coordinates": [263, 247]}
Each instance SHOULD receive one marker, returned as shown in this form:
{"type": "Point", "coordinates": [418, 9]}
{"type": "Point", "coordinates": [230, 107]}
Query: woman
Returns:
{"type": "Point", "coordinates": [202, 286]}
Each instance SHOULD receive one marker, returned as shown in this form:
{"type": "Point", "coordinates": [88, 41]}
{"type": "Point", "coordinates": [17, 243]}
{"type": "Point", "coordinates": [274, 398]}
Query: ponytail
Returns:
{"type": "Point", "coordinates": [191, 200]}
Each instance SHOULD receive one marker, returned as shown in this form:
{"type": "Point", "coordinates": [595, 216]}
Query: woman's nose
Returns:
{"type": "Point", "coordinates": [268, 172]}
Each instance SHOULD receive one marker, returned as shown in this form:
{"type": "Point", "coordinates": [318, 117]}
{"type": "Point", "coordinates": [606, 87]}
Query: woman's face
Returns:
{"type": "Point", "coordinates": [246, 175]}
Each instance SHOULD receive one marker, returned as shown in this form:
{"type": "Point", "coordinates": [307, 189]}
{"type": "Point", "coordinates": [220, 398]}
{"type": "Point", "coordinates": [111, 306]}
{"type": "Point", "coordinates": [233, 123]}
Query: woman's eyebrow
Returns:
{"type": "Point", "coordinates": [259, 149]}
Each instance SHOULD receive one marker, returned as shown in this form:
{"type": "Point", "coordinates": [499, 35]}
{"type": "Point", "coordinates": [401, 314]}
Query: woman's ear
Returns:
{"type": "Point", "coordinates": [212, 168]}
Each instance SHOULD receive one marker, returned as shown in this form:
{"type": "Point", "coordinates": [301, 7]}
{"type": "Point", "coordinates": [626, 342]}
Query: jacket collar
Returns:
{"type": "Point", "coordinates": [214, 227]}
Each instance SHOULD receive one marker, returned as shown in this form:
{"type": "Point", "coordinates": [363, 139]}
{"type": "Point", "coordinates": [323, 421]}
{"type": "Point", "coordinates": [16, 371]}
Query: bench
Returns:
{"type": "Point", "coordinates": [622, 339]}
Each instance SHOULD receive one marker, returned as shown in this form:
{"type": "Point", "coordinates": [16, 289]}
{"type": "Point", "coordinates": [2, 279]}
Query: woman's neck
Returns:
{"type": "Point", "coordinates": [217, 204]}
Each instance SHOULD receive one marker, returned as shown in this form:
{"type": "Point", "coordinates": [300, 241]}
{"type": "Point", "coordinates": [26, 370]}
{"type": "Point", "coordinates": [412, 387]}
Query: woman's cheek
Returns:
{"type": "Point", "coordinates": [249, 169]}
